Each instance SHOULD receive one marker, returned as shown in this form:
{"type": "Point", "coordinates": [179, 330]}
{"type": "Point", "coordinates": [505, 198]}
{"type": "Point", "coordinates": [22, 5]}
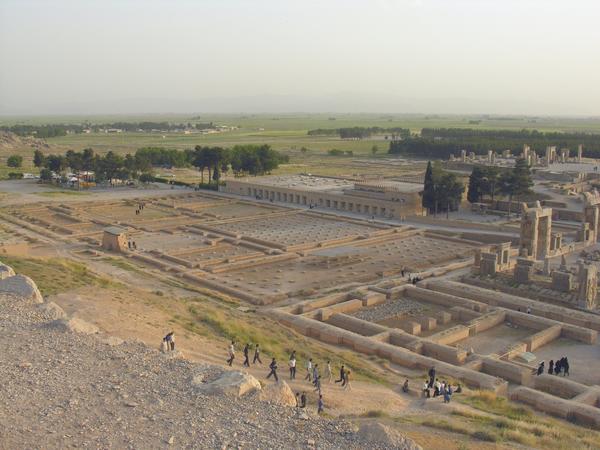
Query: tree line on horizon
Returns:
{"type": "Point", "coordinates": [56, 130]}
{"type": "Point", "coordinates": [443, 142]}
{"type": "Point", "coordinates": [360, 132]}
{"type": "Point", "coordinates": [240, 159]}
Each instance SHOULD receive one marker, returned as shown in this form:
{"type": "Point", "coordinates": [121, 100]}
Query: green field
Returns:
{"type": "Point", "coordinates": [286, 133]}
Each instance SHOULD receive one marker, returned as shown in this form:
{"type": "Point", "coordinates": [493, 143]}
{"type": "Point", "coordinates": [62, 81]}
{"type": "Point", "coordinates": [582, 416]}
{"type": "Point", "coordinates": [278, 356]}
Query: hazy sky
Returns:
{"type": "Point", "coordinates": [497, 56]}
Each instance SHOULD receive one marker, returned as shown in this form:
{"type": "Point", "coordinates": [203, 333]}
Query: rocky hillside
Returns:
{"type": "Point", "coordinates": [11, 141]}
{"type": "Point", "coordinates": [68, 385]}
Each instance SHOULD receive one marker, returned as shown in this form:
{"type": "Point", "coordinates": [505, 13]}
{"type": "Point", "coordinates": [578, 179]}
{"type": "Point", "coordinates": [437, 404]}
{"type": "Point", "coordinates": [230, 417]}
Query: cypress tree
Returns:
{"type": "Point", "coordinates": [429, 198]}
{"type": "Point", "coordinates": [475, 185]}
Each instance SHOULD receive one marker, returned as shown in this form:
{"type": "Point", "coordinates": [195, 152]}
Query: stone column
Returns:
{"type": "Point", "coordinates": [588, 285]}
{"type": "Point", "coordinates": [579, 153]}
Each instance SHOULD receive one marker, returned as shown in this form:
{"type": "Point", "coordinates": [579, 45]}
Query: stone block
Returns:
{"type": "Point", "coordinates": [562, 281]}
{"type": "Point", "coordinates": [428, 323]}
{"type": "Point", "coordinates": [373, 298]}
{"type": "Point", "coordinates": [443, 317]}
{"type": "Point", "coordinates": [411, 327]}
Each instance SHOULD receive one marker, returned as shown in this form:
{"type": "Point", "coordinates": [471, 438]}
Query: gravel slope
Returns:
{"type": "Point", "coordinates": [64, 389]}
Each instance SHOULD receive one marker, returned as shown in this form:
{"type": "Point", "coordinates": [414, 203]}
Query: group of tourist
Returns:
{"type": "Point", "coordinates": [313, 374]}
{"type": "Point", "coordinates": [561, 366]}
{"type": "Point", "coordinates": [139, 209]}
{"type": "Point", "coordinates": [440, 388]}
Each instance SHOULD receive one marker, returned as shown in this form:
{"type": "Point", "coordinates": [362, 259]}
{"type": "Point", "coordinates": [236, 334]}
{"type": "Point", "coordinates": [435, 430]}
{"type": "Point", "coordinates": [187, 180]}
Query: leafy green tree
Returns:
{"type": "Point", "coordinates": [14, 161]}
{"type": "Point", "coordinates": [489, 184]}
{"type": "Point", "coordinates": [374, 150]}
{"type": "Point", "coordinates": [56, 163]}
{"type": "Point", "coordinates": [449, 192]}
{"type": "Point", "coordinates": [45, 174]}
{"type": "Point", "coordinates": [506, 185]}
{"type": "Point", "coordinates": [38, 158]}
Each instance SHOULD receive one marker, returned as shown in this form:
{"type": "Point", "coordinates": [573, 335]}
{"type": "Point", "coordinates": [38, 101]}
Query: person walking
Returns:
{"type": "Point", "coordinates": [328, 372]}
{"type": "Point", "coordinates": [318, 384]}
{"type": "Point", "coordinates": [342, 372]}
{"type": "Point", "coordinates": [303, 400]}
{"type": "Point", "coordinates": [308, 370]}
{"type": "Point", "coordinates": [346, 383]}
{"type": "Point", "coordinates": [292, 364]}
{"type": "Point", "coordinates": [551, 367]}
{"type": "Point", "coordinates": [256, 355]}
{"type": "Point", "coordinates": [320, 405]}
{"type": "Point", "coordinates": [315, 374]}
{"type": "Point", "coordinates": [231, 353]}
{"type": "Point", "coordinates": [273, 367]}
{"type": "Point", "coordinates": [246, 351]}
{"type": "Point", "coordinates": [170, 340]}
{"type": "Point", "coordinates": [565, 367]}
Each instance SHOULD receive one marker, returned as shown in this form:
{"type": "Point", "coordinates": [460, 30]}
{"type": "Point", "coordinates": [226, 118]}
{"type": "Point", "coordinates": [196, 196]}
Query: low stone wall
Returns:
{"type": "Point", "coordinates": [331, 334]}
{"type": "Point", "coordinates": [566, 409]}
{"type": "Point", "coordinates": [506, 370]}
{"type": "Point", "coordinates": [487, 321]}
{"type": "Point", "coordinates": [542, 338]}
{"type": "Point", "coordinates": [444, 353]}
{"type": "Point", "coordinates": [439, 298]}
{"type": "Point", "coordinates": [347, 306]}
{"type": "Point", "coordinates": [450, 335]}
{"type": "Point", "coordinates": [231, 291]}
{"type": "Point", "coordinates": [405, 340]}
{"type": "Point", "coordinates": [559, 386]}
{"type": "Point", "coordinates": [359, 326]}
{"type": "Point", "coordinates": [267, 259]}
{"type": "Point", "coordinates": [464, 314]}
{"type": "Point", "coordinates": [590, 397]}
{"type": "Point", "coordinates": [311, 305]}
{"type": "Point", "coordinates": [559, 313]}
{"type": "Point", "coordinates": [568, 331]}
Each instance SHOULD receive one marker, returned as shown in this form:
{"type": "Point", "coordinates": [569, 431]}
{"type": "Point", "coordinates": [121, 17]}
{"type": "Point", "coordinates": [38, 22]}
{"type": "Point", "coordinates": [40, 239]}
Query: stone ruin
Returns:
{"type": "Point", "coordinates": [587, 276]}
{"type": "Point", "coordinates": [589, 229]}
{"type": "Point", "coordinates": [493, 258]}
{"type": "Point", "coordinates": [536, 231]}
{"type": "Point", "coordinates": [114, 239]}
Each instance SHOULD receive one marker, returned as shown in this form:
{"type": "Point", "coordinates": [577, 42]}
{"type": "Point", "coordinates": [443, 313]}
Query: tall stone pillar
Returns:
{"type": "Point", "coordinates": [579, 153]}
{"type": "Point", "coordinates": [588, 285]}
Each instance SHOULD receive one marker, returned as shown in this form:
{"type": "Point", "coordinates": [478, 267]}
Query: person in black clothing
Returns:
{"type": "Point", "coordinates": [540, 369]}
{"type": "Point", "coordinates": [303, 400]}
{"type": "Point", "coordinates": [551, 367]}
{"type": "Point", "coordinates": [246, 360]}
{"type": "Point", "coordinates": [342, 375]}
{"type": "Point", "coordinates": [558, 366]}
{"type": "Point", "coordinates": [431, 374]}
{"type": "Point", "coordinates": [256, 355]}
{"type": "Point", "coordinates": [273, 367]}
{"type": "Point", "coordinates": [565, 367]}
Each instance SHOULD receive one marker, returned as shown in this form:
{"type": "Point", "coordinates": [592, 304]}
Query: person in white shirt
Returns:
{"type": "Point", "coordinates": [309, 370]}
{"type": "Point", "coordinates": [231, 352]}
{"type": "Point", "coordinates": [292, 364]}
